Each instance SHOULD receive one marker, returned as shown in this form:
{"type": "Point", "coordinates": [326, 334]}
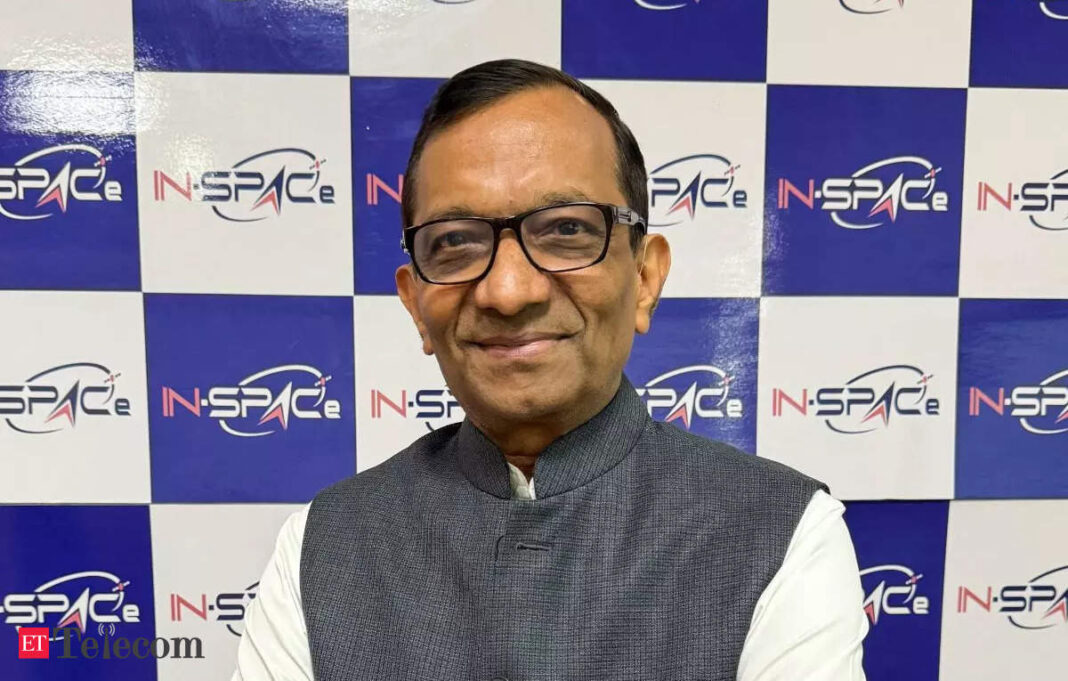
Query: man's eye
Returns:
{"type": "Point", "coordinates": [450, 240]}
{"type": "Point", "coordinates": [568, 228]}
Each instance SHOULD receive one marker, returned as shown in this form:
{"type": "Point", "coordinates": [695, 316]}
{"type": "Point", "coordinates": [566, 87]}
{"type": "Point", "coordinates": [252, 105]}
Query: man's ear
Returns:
{"type": "Point", "coordinates": [653, 264]}
{"type": "Point", "coordinates": [407, 288]}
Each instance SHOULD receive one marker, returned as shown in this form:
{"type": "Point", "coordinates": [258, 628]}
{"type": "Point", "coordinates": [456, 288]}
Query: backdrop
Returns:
{"type": "Point", "coordinates": [867, 202]}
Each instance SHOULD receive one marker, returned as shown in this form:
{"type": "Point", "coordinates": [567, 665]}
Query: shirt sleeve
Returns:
{"type": "Point", "coordinates": [274, 646]}
{"type": "Point", "coordinates": [809, 623]}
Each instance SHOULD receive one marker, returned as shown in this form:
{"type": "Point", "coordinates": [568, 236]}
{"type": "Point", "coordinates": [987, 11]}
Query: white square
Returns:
{"type": "Point", "coordinates": [59, 35]}
{"type": "Point", "coordinates": [437, 38]}
{"type": "Point", "coordinates": [706, 178]}
{"type": "Point", "coordinates": [869, 42]}
{"type": "Point", "coordinates": [894, 360]}
{"type": "Point", "coordinates": [288, 226]}
{"type": "Point", "coordinates": [73, 407]}
{"type": "Point", "coordinates": [1016, 152]}
{"type": "Point", "coordinates": [207, 561]}
{"type": "Point", "coordinates": [993, 546]}
{"type": "Point", "coordinates": [400, 392]}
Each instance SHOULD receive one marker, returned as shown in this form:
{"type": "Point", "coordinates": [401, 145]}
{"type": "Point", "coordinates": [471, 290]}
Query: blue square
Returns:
{"type": "Point", "coordinates": [697, 367]}
{"type": "Point", "coordinates": [1021, 43]}
{"type": "Point", "coordinates": [250, 397]}
{"type": "Point", "coordinates": [863, 190]}
{"type": "Point", "coordinates": [66, 551]}
{"type": "Point", "coordinates": [68, 182]}
{"type": "Point", "coordinates": [666, 39]}
{"type": "Point", "coordinates": [386, 113]}
{"type": "Point", "coordinates": [273, 36]}
{"type": "Point", "coordinates": [1012, 401]}
{"type": "Point", "coordinates": [901, 550]}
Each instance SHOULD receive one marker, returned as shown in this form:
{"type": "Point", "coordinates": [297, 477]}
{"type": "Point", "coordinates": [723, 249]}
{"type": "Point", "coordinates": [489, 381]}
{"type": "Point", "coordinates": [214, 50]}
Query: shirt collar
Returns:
{"type": "Point", "coordinates": [521, 487]}
{"type": "Point", "coordinates": [571, 460]}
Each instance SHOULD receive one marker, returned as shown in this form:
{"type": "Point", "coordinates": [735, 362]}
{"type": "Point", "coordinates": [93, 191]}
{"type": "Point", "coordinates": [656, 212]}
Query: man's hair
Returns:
{"type": "Point", "coordinates": [479, 86]}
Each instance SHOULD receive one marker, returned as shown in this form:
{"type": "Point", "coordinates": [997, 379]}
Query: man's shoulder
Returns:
{"type": "Point", "coordinates": [387, 478]}
{"type": "Point", "coordinates": [712, 463]}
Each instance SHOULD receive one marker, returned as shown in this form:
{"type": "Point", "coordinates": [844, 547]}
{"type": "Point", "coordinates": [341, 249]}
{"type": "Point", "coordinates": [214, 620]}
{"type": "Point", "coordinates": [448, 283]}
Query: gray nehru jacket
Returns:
{"type": "Point", "coordinates": [642, 557]}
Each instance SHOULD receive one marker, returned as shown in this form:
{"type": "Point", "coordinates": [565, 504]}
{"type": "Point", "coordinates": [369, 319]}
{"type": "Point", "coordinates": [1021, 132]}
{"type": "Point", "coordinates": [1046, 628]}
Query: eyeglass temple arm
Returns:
{"type": "Point", "coordinates": [628, 216]}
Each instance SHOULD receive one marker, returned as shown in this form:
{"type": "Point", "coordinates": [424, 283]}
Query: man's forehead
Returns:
{"type": "Point", "coordinates": [532, 148]}
{"type": "Point", "coordinates": [549, 198]}
{"type": "Point", "coordinates": [553, 104]}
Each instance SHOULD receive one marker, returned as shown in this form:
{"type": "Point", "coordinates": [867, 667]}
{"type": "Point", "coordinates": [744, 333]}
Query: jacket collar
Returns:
{"type": "Point", "coordinates": [571, 460]}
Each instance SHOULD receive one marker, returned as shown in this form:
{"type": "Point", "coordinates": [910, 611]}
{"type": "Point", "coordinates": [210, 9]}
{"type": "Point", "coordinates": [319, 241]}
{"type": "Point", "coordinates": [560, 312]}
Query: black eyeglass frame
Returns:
{"type": "Point", "coordinates": [613, 215]}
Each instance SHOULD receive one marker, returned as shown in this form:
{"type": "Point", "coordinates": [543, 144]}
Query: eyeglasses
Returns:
{"type": "Point", "coordinates": [558, 238]}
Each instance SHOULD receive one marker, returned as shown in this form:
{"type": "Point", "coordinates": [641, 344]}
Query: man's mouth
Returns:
{"type": "Point", "coordinates": [519, 346]}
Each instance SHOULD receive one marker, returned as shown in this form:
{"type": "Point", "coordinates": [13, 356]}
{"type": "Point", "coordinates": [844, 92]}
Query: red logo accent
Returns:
{"type": "Point", "coordinates": [33, 643]}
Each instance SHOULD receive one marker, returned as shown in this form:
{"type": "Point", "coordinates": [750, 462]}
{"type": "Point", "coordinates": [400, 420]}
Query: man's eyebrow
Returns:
{"type": "Point", "coordinates": [549, 199]}
{"type": "Point", "coordinates": [451, 213]}
{"type": "Point", "coordinates": [568, 196]}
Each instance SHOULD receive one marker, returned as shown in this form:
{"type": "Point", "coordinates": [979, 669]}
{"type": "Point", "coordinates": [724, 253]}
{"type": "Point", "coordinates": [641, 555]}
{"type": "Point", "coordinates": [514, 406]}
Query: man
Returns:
{"type": "Point", "coordinates": [558, 532]}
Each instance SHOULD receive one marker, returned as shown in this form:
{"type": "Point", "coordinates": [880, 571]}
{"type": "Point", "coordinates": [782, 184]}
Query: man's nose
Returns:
{"type": "Point", "coordinates": [513, 282]}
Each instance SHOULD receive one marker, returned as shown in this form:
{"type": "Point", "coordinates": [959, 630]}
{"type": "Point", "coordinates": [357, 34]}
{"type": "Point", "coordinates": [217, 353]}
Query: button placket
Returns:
{"type": "Point", "coordinates": [523, 542]}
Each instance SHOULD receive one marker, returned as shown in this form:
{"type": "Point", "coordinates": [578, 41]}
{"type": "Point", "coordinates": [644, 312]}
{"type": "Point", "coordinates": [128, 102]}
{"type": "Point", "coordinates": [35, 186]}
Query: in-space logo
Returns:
{"type": "Point", "coordinates": [270, 407]}
{"type": "Point", "coordinates": [1019, 43]}
{"type": "Point", "coordinates": [260, 404]}
{"type": "Point", "coordinates": [433, 407]}
{"type": "Point", "coordinates": [892, 590]}
{"type": "Point", "coordinates": [872, 6]}
{"type": "Point", "coordinates": [682, 189]}
{"type": "Point", "coordinates": [699, 391]}
{"type": "Point", "coordinates": [696, 368]}
{"type": "Point", "coordinates": [665, 5]}
{"type": "Point", "coordinates": [873, 400]}
{"type": "Point", "coordinates": [59, 397]}
{"type": "Point", "coordinates": [1044, 202]}
{"type": "Point", "coordinates": [376, 186]}
{"type": "Point", "coordinates": [1040, 408]}
{"type": "Point", "coordinates": [902, 586]}
{"type": "Point", "coordinates": [874, 211]}
{"type": "Point", "coordinates": [226, 608]}
{"type": "Point", "coordinates": [1012, 420]}
{"type": "Point", "coordinates": [52, 180]}
{"type": "Point", "coordinates": [1037, 603]}
{"type": "Point", "coordinates": [255, 188]}
{"type": "Point", "coordinates": [94, 601]}
{"type": "Point", "coordinates": [870, 197]}
{"type": "Point", "coordinates": [1055, 9]}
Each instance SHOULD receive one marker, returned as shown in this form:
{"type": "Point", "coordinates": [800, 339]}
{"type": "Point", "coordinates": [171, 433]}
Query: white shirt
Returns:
{"type": "Point", "coordinates": [808, 624]}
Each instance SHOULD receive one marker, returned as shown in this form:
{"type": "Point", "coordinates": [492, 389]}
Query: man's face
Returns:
{"type": "Point", "coordinates": [521, 345]}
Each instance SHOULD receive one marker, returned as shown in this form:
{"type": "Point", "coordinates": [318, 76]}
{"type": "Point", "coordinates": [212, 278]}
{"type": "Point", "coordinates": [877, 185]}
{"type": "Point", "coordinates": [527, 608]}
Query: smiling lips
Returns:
{"type": "Point", "coordinates": [522, 346]}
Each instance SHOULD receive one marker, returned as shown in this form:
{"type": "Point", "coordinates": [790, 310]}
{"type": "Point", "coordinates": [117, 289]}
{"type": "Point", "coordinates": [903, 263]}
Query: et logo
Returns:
{"type": "Point", "coordinates": [33, 643]}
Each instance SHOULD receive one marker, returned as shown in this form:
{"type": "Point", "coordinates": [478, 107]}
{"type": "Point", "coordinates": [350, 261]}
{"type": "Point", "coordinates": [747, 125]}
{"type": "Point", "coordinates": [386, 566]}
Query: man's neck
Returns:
{"type": "Point", "coordinates": [522, 443]}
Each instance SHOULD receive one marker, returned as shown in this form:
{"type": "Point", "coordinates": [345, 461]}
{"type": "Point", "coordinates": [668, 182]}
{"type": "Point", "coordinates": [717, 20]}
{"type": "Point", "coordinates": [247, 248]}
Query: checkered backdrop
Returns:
{"type": "Point", "coordinates": [867, 202]}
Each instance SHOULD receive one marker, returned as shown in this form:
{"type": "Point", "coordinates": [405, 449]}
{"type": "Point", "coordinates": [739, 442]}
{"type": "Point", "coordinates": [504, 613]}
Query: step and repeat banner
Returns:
{"type": "Point", "coordinates": [867, 202]}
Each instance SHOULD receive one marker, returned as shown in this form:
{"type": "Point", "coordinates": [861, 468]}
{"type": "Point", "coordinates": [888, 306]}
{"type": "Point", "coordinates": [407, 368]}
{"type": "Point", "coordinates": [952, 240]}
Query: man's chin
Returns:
{"type": "Point", "coordinates": [523, 400]}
